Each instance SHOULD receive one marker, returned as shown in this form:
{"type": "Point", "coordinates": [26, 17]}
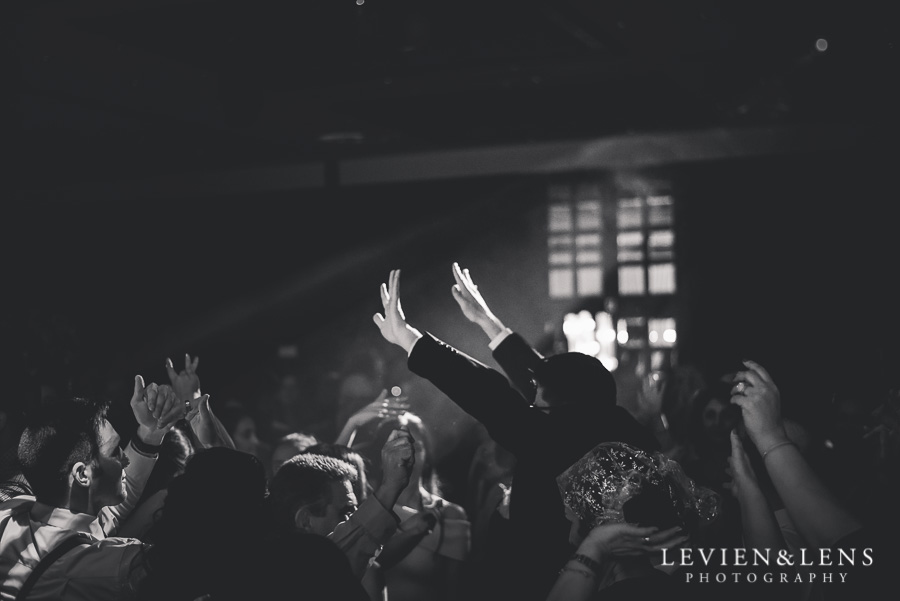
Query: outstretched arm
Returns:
{"type": "Point", "coordinates": [473, 305]}
{"type": "Point", "coordinates": [813, 508]}
{"type": "Point", "coordinates": [156, 409]}
{"type": "Point", "coordinates": [517, 358]}
{"type": "Point", "coordinates": [482, 392]}
{"type": "Point", "coordinates": [758, 523]}
{"type": "Point", "coordinates": [362, 535]}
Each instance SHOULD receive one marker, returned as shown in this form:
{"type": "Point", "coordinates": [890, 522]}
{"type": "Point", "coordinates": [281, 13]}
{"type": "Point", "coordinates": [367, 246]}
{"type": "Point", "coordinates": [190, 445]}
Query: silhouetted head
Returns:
{"type": "Point", "coordinates": [574, 379]}
{"type": "Point", "coordinates": [209, 523]}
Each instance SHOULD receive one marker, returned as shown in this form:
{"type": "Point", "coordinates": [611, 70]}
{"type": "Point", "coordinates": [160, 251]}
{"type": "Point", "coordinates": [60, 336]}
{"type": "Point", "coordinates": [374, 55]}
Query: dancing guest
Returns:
{"type": "Point", "coordinates": [573, 409]}
{"type": "Point", "coordinates": [61, 543]}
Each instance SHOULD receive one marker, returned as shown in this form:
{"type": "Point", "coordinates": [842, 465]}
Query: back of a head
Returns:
{"type": "Point", "coordinates": [577, 378]}
{"type": "Point", "coordinates": [217, 484]}
{"type": "Point", "coordinates": [345, 453]}
{"type": "Point", "coordinates": [59, 433]}
{"type": "Point", "coordinates": [304, 480]}
{"type": "Point", "coordinates": [209, 518]}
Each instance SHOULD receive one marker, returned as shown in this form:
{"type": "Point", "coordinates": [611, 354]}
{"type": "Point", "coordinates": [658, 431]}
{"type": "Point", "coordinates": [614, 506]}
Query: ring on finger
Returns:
{"type": "Point", "coordinates": [740, 387]}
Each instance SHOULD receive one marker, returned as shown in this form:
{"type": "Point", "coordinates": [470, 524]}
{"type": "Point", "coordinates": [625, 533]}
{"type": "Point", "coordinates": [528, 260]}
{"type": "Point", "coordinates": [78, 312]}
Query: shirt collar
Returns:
{"type": "Point", "coordinates": [64, 519]}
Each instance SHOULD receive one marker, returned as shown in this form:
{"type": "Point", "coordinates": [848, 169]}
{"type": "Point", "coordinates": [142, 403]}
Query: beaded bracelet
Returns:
{"type": "Point", "coordinates": [584, 573]}
{"type": "Point", "coordinates": [775, 446]}
{"type": "Point", "coordinates": [585, 560]}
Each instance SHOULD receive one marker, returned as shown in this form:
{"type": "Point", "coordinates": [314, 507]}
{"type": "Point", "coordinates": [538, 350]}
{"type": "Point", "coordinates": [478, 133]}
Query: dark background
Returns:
{"type": "Point", "coordinates": [786, 255]}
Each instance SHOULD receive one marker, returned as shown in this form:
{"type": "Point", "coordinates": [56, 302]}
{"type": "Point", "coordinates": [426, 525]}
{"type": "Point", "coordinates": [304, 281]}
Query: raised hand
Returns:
{"type": "Point", "coordinates": [363, 416]}
{"type": "Point", "coordinates": [208, 430]}
{"type": "Point", "coordinates": [650, 398]}
{"type": "Point", "coordinates": [393, 324]}
{"type": "Point", "coordinates": [473, 305]}
{"type": "Point", "coordinates": [156, 409]}
{"type": "Point", "coordinates": [185, 383]}
{"type": "Point", "coordinates": [397, 459]}
{"type": "Point", "coordinates": [760, 402]}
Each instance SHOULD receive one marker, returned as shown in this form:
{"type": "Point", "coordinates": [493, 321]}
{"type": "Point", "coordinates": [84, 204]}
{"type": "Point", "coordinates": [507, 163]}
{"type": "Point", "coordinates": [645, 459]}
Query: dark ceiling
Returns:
{"type": "Point", "coordinates": [100, 91]}
{"type": "Point", "coordinates": [103, 89]}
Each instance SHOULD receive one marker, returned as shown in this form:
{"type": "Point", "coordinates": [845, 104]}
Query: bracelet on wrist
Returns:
{"type": "Point", "coordinates": [144, 448]}
{"type": "Point", "coordinates": [586, 561]}
{"type": "Point", "coordinates": [579, 571]}
{"type": "Point", "coordinates": [775, 446]}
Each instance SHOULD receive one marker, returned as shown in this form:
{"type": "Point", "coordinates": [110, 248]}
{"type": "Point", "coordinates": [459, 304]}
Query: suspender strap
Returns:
{"type": "Point", "coordinates": [49, 559]}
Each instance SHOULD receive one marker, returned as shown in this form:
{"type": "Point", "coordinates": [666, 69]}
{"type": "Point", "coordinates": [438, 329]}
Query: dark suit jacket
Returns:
{"type": "Point", "coordinates": [544, 444]}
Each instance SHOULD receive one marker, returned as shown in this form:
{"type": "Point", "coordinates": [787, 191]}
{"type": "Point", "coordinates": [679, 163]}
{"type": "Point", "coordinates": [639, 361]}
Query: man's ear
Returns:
{"type": "Point", "coordinates": [81, 475]}
{"type": "Point", "coordinates": [301, 519]}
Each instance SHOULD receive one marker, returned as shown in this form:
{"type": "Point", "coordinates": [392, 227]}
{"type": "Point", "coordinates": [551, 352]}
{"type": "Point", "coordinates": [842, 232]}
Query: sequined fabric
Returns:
{"type": "Point", "coordinates": [597, 486]}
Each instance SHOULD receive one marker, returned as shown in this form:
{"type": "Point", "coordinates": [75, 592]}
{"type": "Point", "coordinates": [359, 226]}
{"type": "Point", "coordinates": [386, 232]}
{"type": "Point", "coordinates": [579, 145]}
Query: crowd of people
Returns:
{"type": "Point", "coordinates": [698, 488]}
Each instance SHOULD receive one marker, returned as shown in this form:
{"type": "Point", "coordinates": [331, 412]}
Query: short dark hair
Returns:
{"type": "Point", "coordinates": [577, 378]}
{"type": "Point", "coordinates": [58, 434]}
{"type": "Point", "coordinates": [329, 449]}
{"type": "Point", "coordinates": [304, 481]}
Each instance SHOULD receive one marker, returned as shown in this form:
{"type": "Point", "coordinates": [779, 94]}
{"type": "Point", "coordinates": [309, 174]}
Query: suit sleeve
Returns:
{"type": "Point", "coordinates": [480, 391]}
{"type": "Point", "coordinates": [518, 360]}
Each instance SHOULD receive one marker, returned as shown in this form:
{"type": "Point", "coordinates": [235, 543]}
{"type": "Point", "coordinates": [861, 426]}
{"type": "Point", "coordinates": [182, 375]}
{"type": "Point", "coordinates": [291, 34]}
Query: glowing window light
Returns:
{"type": "Point", "coordinates": [606, 335]}
{"type": "Point", "coordinates": [579, 329]}
{"type": "Point", "coordinates": [662, 332]}
{"type": "Point", "coordinates": [590, 281]}
{"type": "Point", "coordinates": [631, 279]}
{"type": "Point", "coordinates": [610, 363]}
{"type": "Point", "coordinates": [560, 218]}
{"type": "Point", "coordinates": [622, 333]}
{"type": "Point", "coordinates": [562, 283]}
{"type": "Point", "coordinates": [606, 339]}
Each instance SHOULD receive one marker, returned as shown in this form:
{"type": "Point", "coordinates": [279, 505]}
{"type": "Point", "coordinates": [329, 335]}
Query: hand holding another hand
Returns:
{"type": "Point", "coordinates": [156, 409]}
